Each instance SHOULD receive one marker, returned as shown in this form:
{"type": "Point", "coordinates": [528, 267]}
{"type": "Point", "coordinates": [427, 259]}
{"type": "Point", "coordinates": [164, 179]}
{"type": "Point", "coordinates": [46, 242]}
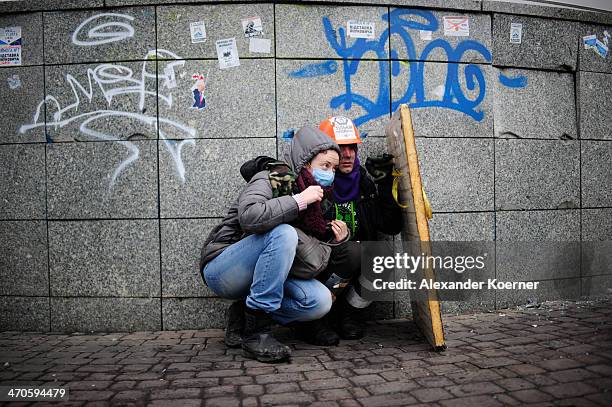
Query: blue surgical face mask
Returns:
{"type": "Point", "coordinates": [323, 178]}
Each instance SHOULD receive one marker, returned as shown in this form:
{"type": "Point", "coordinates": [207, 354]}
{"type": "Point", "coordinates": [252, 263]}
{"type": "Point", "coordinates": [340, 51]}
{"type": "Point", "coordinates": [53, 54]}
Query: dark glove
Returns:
{"type": "Point", "coordinates": [381, 167]}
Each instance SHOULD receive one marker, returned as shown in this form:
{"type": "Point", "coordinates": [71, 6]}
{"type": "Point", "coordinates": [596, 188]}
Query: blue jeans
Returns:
{"type": "Point", "coordinates": [258, 267]}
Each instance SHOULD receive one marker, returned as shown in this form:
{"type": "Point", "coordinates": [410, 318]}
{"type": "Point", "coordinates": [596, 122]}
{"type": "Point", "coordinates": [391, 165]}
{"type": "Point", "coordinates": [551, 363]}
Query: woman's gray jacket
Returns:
{"type": "Point", "coordinates": [255, 211]}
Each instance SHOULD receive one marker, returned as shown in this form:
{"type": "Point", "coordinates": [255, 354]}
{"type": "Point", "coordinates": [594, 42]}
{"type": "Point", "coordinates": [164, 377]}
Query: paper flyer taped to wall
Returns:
{"type": "Point", "coordinates": [360, 29]}
{"type": "Point", "coordinates": [227, 53]}
{"type": "Point", "coordinates": [198, 32]}
{"type": "Point", "coordinates": [10, 46]}
{"type": "Point", "coordinates": [516, 33]}
{"type": "Point", "coordinates": [425, 35]}
{"type": "Point", "coordinates": [456, 26]}
{"type": "Point", "coordinates": [260, 45]}
{"type": "Point", "coordinates": [252, 27]}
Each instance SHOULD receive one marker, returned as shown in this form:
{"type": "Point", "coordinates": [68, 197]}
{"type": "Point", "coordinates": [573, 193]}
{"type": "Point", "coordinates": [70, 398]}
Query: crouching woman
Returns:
{"type": "Point", "coordinates": [250, 253]}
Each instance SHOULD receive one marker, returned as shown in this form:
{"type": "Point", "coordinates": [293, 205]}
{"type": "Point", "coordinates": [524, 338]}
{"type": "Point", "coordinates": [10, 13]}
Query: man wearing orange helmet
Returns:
{"type": "Point", "coordinates": [367, 206]}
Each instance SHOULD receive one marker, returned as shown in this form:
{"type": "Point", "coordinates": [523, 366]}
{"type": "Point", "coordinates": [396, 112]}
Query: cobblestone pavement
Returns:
{"type": "Point", "coordinates": [557, 354]}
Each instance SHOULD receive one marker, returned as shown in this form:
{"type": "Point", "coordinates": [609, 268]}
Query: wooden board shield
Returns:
{"type": "Point", "coordinates": [400, 141]}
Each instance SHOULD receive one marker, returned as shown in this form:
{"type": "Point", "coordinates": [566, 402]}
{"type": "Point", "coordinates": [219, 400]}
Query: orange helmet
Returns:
{"type": "Point", "coordinates": [341, 129]}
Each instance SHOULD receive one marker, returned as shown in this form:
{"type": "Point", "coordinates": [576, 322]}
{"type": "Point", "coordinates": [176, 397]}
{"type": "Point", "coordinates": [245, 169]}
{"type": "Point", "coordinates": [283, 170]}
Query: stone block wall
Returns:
{"type": "Point", "coordinates": [109, 188]}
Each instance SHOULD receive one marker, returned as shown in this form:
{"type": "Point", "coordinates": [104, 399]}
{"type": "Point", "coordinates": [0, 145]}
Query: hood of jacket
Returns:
{"type": "Point", "coordinates": [308, 142]}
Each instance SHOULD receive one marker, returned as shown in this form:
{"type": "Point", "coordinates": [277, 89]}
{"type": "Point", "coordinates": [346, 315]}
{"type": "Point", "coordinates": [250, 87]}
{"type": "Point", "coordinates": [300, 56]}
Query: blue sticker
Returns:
{"type": "Point", "coordinates": [589, 41]}
{"type": "Point", "coordinates": [601, 49]}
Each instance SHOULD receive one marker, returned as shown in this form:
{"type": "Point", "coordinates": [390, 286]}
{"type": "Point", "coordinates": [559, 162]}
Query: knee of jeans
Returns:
{"type": "Point", "coordinates": [286, 234]}
{"type": "Point", "coordinates": [320, 303]}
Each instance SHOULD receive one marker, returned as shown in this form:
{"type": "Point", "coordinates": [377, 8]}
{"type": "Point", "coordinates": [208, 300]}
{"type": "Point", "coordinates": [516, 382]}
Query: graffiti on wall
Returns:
{"type": "Point", "coordinates": [113, 80]}
{"type": "Point", "coordinates": [451, 96]}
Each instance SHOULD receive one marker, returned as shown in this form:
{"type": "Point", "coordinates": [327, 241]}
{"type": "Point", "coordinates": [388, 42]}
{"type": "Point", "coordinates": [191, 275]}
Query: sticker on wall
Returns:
{"type": "Point", "coordinates": [199, 99]}
{"type": "Point", "coordinates": [227, 53]}
{"type": "Point", "coordinates": [10, 46]}
{"type": "Point", "coordinates": [198, 32]}
{"type": "Point", "coordinates": [589, 41]}
{"type": "Point", "coordinates": [14, 81]}
{"type": "Point", "coordinates": [252, 27]}
{"type": "Point", "coordinates": [456, 26]}
{"type": "Point", "coordinates": [360, 29]}
{"type": "Point", "coordinates": [425, 35]}
{"type": "Point", "coordinates": [601, 48]}
{"type": "Point", "coordinates": [516, 33]}
{"type": "Point", "coordinates": [260, 45]}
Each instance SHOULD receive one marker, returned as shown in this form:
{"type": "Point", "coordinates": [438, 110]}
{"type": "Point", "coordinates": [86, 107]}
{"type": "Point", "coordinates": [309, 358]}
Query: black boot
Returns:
{"type": "Point", "coordinates": [316, 332]}
{"type": "Point", "coordinates": [348, 320]}
{"type": "Point", "coordinates": [234, 324]}
{"type": "Point", "coordinates": [257, 342]}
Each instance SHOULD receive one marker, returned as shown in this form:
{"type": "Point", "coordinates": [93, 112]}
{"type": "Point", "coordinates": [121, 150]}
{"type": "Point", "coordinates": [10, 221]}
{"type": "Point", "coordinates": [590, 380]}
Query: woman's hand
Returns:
{"type": "Point", "coordinates": [340, 230]}
{"type": "Point", "coordinates": [313, 193]}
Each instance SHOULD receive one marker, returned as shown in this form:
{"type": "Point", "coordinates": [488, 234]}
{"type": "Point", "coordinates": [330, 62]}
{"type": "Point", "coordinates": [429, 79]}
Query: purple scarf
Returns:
{"type": "Point", "coordinates": [346, 186]}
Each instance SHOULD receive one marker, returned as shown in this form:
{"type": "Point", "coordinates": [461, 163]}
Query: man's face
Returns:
{"type": "Point", "coordinates": [347, 158]}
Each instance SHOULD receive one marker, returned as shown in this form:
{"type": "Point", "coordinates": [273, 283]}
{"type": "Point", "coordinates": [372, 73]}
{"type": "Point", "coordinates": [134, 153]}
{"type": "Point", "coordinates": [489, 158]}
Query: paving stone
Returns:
{"type": "Point", "coordinates": [551, 94]}
{"type": "Point", "coordinates": [384, 400]}
{"type": "Point", "coordinates": [180, 273]}
{"type": "Point", "coordinates": [568, 390]}
{"type": "Point", "coordinates": [536, 174]}
{"type": "Point", "coordinates": [204, 179]}
{"type": "Point", "coordinates": [489, 401]}
{"type": "Point", "coordinates": [545, 44]}
{"type": "Point", "coordinates": [104, 314]}
{"type": "Point", "coordinates": [194, 313]}
{"type": "Point", "coordinates": [475, 226]}
{"type": "Point", "coordinates": [20, 96]}
{"type": "Point", "coordinates": [126, 253]}
{"type": "Point", "coordinates": [22, 183]}
{"type": "Point", "coordinates": [592, 101]}
{"type": "Point", "coordinates": [24, 313]}
{"type": "Point", "coordinates": [23, 253]}
{"type": "Point", "coordinates": [286, 398]}
{"type": "Point", "coordinates": [431, 394]}
{"type": "Point", "coordinates": [102, 180]}
{"type": "Point", "coordinates": [73, 36]}
{"type": "Point", "coordinates": [468, 162]}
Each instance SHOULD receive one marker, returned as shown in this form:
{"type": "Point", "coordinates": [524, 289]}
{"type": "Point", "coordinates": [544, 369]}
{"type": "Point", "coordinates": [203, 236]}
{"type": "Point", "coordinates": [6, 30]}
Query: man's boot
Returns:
{"type": "Point", "coordinates": [257, 341]}
{"type": "Point", "coordinates": [234, 324]}
{"type": "Point", "coordinates": [316, 332]}
{"type": "Point", "coordinates": [348, 320]}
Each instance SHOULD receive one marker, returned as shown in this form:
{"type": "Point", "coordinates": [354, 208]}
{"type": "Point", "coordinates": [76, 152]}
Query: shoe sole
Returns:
{"type": "Point", "coordinates": [233, 345]}
{"type": "Point", "coordinates": [265, 358]}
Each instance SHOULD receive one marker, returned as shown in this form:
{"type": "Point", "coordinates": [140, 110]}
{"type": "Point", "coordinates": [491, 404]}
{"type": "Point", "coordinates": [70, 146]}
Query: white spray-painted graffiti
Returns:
{"type": "Point", "coordinates": [114, 80]}
{"type": "Point", "coordinates": [97, 35]}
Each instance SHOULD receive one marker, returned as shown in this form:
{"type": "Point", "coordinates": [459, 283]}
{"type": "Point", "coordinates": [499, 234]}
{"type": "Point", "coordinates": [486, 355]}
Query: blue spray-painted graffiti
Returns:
{"type": "Point", "coordinates": [518, 82]}
{"type": "Point", "coordinates": [313, 70]}
{"type": "Point", "coordinates": [453, 96]}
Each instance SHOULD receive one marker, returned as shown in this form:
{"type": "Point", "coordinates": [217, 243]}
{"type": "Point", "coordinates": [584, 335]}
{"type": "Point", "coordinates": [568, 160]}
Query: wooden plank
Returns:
{"type": "Point", "coordinates": [401, 143]}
